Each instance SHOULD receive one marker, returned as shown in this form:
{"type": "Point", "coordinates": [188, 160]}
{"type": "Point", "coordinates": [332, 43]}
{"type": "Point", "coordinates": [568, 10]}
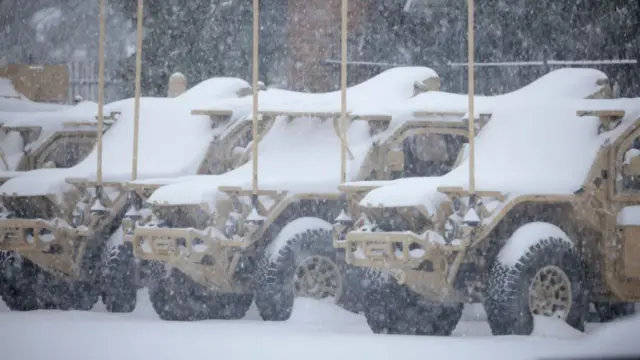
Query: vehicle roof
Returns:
{"type": "Point", "coordinates": [173, 143]}
{"type": "Point", "coordinates": [527, 148]}
{"type": "Point", "coordinates": [304, 156]}
{"type": "Point", "coordinates": [171, 140]}
{"type": "Point", "coordinates": [577, 83]}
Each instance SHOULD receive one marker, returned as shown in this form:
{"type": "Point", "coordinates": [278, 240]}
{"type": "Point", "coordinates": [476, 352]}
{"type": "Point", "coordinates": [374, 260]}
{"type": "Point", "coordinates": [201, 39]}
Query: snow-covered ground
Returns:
{"type": "Point", "coordinates": [316, 330]}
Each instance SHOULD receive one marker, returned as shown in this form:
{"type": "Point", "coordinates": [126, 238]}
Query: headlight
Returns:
{"type": "Point", "coordinates": [451, 228]}
{"type": "Point", "coordinates": [457, 205]}
{"type": "Point", "coordinates": [77, 218]}
{"type": "Point", "coordinates": [231, 226]}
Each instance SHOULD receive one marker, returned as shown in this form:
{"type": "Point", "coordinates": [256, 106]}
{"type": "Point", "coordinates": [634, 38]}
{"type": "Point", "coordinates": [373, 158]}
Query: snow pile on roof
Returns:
{"type": "Point", "coordinates": [11, 142]}
{"type": "Point", "coordinates": [303, 155]}
{"type": "Point", "coordinates": [210, 91]}
{"type": "Point", "coordinates": [172, 142]}
{"type": "Point", "coordinates": [392, 85]}
{"type": "Point", "coordinates": [527, 148]}
{"type": "Point", "coordinates": [567, 83]}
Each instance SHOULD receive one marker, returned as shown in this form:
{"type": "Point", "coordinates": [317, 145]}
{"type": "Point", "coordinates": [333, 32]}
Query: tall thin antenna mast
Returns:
{"type": "Point", "coordinates": [471, 76]}
{"type": "Point", "coordinates": [136, 108]}
{"type": "Point", "coordinates": [254, 85]}
{"type": "Point", "coordinates": [100, 96]}
{"type": "Point", "coordinates": [343, 89]}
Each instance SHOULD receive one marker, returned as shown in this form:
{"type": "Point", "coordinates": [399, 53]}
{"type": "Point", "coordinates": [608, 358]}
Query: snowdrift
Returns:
{"type": "Point", "coordinates": [315, 331]}
{"type": "Point", "coordinates": [619, 338]}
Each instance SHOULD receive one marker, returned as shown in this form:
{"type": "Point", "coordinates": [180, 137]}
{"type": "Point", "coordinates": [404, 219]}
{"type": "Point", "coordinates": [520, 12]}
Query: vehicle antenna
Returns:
{"type": "Point", "coordinates": [254, 85]}
{"type": "Point", "coordinates": [343, 89]}
{"type": "Point", "coordinates": [471, 52]}
{"type": "Point", "coordinates": [100, 100]}
{"type": "Point", "coordinates": [136, 106]}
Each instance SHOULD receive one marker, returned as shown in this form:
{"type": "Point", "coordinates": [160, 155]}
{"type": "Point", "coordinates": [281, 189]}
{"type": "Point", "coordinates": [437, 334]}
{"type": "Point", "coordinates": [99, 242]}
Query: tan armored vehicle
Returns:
{"type": "Point", "coordinates": [38, 134]}
{"type": "Point", "coordinates": [64, 224]}
{"type": "Point", "coordinates": [544, 226]}
{"type": "Point", "coordinates": [49, 139]}
{"type": "Point", "coordinates": [218, 252]}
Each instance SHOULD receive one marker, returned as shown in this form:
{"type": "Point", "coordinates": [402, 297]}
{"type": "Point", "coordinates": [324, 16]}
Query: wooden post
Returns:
{"type": "Point", "coordinates": [136, 106]}
{"type": "Point", "coordinates": [471, 76]}
{"type": "Point", "coordinates": [254, 85]}
{"type": "Point", "coordinates": [100, 92]}
{"type": "Point", "coordinates": [343, 89]}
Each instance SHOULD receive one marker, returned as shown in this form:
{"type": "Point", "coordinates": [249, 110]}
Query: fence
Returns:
{"type": "Point", "coordinates": [83, 82]}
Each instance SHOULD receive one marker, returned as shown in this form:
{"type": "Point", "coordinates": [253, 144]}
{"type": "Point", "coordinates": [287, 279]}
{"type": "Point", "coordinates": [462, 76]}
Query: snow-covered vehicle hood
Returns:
{"type": "Point", "coordinates": [172, 142]}
{"type": "Point", "coordinates": [540, 147]}
{"type": "Point", "coordinates": [303, 155]}
{"type": "Point", "coordinates": [298, 157]}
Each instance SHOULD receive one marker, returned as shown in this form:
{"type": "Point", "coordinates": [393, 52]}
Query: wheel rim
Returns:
{"type": "Point", "coordinates": [550, 293]}
{"type": "Point", "coordinates": [317, 277]}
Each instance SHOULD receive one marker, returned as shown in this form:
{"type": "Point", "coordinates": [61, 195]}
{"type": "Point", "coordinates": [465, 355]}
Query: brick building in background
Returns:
{"type": "Point", "coordinates": [313, 35]}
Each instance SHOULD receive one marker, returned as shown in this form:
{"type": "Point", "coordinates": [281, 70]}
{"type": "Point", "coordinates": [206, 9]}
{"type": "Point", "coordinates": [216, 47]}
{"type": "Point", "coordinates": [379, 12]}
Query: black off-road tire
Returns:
{"type": "Point", "coordinates": [357, 282]}
{"type": "Point", "coordinates": [507, 297]}
{"type": "Point", "coordinates": [32, 288]}
{"type": "Point", "coordinates": [119, 288]}
{"type": "Point", "coordinates": [274, 288]}
{"type": "Point", "coordinates": [606, 312]}
{"type": "Point", "coordinates": [178, 298]}
{"type": "Point", "coordinates": [392, 308]}
{"type": "Point", "coordinates": [16, 284]}
{"type": "Point", "coordinates": [75, 295]}
{"type": "Point", "coordinates": [231, 306]}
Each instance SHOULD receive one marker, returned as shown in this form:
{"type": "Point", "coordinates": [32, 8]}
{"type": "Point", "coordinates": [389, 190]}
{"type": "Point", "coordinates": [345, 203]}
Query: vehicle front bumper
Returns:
{"type": "Point", "coordinates": [208, 257]}
{"type": "Point", "coordinates": [415, 260]}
